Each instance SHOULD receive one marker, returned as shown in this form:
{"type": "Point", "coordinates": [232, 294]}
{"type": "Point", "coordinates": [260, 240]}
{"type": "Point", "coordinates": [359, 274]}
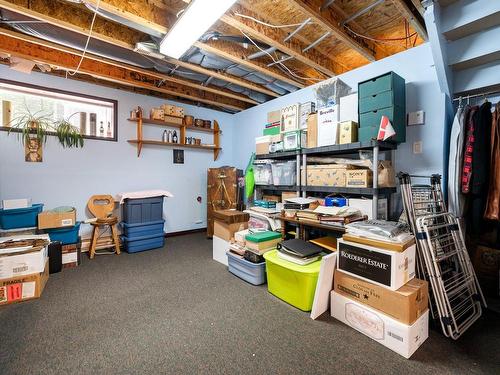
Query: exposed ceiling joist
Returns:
{"type": "Point", "coordinates": [275, 38]}
{"type": "Point", "coordinates": [230, 53]}
{"type": "Point", "coordinates": [106, 71]}
{"type": "Point", "coordinates": [72, 21]}
{"type": "Point", "coordinates": [311, 9]}
{"type": "Point", "coordinates": [413, 19]}
{"type": "Point", "coordinates": [160, 76]}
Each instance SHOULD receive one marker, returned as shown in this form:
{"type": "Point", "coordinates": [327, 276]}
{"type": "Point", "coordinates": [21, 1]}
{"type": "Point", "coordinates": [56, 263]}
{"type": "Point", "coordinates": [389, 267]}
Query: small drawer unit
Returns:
{"type": "Point", "coordinates": [384, 95]}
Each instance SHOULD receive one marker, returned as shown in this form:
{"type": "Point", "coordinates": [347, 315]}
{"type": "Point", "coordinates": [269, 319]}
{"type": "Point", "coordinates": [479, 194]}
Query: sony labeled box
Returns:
{"type": "Point", "coordinates": [406, 304]}
{"type": "Point", "coordinates": [387, 268]}
{"type": "Point", "coordinates": [402, 338]}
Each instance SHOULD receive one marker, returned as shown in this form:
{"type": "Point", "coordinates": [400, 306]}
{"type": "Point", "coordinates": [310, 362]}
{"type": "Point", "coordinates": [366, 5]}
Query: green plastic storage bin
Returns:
{"type": "Point", "coordinates": [381, 100]}
{"type": "Point", "coordinates": [291, 282]}
{"type": "Point", "coordinates": [272, 130]}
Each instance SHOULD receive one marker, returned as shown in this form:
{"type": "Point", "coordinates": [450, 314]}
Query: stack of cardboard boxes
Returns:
{"type": "Point", "coordinates": [24, 267]}
{"type": "Point", "coordinates": [226, 224]}
{"type": "Point", "coordinates": [376, 293]}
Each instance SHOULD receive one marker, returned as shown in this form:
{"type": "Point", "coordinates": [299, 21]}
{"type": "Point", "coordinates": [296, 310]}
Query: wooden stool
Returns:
{"type": "Point", "coordinates": [101, 206]}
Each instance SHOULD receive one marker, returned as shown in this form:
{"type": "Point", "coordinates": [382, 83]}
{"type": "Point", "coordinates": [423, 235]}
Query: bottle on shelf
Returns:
{"type": "Point", "coordinates": [108, 131]}
{"type": "Point", "coordinates": [169, 138]}
{"type": "Point", "coordinates": [101, 129]}
{"type": "Point", "coordinates": [93, 124]}
{"type": "Point", "coordinates": [164, 137]}
{"type": "Point", "coordinates": [174, 137]}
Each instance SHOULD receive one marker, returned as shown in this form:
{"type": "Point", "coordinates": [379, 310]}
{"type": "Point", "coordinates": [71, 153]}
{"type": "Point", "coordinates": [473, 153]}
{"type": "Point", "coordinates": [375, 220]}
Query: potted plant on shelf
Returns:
{"type": "Point", "coordinates": [30, 125]}
{"type": "Point", "coordinates": [68, 134]}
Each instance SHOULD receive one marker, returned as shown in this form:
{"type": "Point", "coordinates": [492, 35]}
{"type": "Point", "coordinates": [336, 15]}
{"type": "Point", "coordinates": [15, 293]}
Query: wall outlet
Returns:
{"type": "Point", "coordinates": [417, 147]}
{"type": "Point", "coordinates": [416, 118]}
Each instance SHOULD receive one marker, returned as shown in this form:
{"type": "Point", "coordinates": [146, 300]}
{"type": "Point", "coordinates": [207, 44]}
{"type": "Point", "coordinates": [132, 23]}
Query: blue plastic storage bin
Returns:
{"type": "Point", "coordinates": [254, 273]}
{"type": "Point", "coordinates": [136, 244]}
{"type": "Point", "coordinates": [66, 235]}
{"type": "Point", "coordinates": [142, 229]}
{"type": "Point", "coordinates": [143, 210]}
{"type": "Point", "coordinates": [20, 217]}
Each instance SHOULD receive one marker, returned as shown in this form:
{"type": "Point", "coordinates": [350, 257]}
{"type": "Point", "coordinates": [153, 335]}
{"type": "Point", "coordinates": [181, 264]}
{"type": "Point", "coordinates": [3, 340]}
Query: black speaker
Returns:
{"type": "Point", "coordinates": [55, 257]}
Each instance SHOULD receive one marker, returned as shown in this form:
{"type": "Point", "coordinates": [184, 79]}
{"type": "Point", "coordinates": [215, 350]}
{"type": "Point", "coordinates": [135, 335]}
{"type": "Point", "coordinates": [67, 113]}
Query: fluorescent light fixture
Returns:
{"type": "Point", "coordinates": [196, 19]}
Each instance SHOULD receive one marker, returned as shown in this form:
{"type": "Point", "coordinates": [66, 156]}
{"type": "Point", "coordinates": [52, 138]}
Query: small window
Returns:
{"type": "Point", "coordinates": [95, 117]}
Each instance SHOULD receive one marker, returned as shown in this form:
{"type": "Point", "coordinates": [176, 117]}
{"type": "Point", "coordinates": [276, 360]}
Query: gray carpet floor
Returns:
{"type": "Point", "coordinates": [176, 311]}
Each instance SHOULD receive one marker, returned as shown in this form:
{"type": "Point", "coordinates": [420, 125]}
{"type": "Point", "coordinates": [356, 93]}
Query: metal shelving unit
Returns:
{"type": "Point", "coordinates": [301, 157]}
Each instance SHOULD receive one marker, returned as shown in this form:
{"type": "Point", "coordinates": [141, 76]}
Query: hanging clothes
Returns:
{"type": "Point", "coordinates": [492, 211]}
{"type": "Point", "coordinates": [456, 199]}
{"type": "Point", "coordinates": [469, 149]}
{"type": "Point", "coordinates": [480, 177]}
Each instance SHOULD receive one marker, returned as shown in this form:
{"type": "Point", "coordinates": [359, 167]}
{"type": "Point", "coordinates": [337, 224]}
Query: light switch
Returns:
{"type": "Point", "coordinates": [416, 118]}
{"type": "Point", "coordinates": [417, 147]}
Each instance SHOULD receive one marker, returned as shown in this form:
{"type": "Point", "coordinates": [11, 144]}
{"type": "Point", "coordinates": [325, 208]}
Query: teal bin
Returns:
{"type": "Point", "coordinates": [396, 116]}
{"type": "Point", "coordinates": [65, 235]}
{"type": "Point", "coordinates": [20, 217]}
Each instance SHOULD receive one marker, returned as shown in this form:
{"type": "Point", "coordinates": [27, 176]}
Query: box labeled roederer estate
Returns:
{"type": "Point", "coordinates": [383, 267]}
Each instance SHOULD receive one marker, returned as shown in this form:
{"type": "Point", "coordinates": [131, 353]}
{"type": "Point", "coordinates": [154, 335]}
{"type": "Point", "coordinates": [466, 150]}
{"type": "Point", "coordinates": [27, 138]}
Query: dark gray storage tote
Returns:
{"type": "Point", "coordinates": [143, 210]}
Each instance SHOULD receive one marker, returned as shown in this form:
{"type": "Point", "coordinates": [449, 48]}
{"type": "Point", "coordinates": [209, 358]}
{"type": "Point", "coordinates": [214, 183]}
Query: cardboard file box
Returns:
{"type": "Point", "coordinates": [326, 175]}
{"type": "Point", "coordinates": [15, 264]}
{"type": "Point", "coordinates": [50, 219]}
{"type": "Point", "coordinates": [22, 288]}
{"type": "Point", "coordinates": [387, 268]}
{"type": "Point", "coordinates": [399, 337]}
{"type": "Point", "coordinates": [312, 130]}
{"type": "Point", "coordinates": [406, 304]}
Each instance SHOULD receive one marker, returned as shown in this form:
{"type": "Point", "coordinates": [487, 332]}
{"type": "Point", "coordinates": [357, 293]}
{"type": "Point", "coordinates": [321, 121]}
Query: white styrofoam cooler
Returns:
{"type": "Point", "coordinates": [220, 247]}
{"type": "Point", "coordinates": [397, 336]}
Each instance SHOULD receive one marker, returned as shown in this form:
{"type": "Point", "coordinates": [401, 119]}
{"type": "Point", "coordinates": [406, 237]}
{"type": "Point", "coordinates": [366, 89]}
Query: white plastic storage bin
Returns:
{"type": "Point", "coordinates": [262, 172]}
{"type": "Point", "coordinates": [253, 273]}
{"type": "Point", "coordinates": [284, 173]}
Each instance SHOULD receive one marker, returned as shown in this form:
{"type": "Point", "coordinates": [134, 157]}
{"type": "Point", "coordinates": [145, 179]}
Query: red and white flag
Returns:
{"type": "Point", "coordinates": [386, 130]}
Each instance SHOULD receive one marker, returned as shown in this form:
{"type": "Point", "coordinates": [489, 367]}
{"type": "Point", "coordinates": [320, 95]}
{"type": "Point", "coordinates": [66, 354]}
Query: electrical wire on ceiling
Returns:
{"type": "Point", "coordinates": [87, 43]}
{"type": "Point", "coordinates": [381, 40]}
{"type": "Point", "coordinates": [279, 64]}
{"type": "Point", "coordinates": [268, 24]}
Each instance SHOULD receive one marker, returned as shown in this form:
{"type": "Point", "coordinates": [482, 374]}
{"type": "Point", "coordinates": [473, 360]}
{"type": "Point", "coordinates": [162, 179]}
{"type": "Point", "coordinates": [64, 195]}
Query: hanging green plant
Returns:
{"type": "Point", "coordinates": [32, 125]}
{"type": "Point", "coordinates": [69, 136]}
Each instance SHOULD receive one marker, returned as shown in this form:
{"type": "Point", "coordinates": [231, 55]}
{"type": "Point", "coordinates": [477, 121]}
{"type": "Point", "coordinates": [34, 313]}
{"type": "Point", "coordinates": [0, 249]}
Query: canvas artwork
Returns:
{"type": "Point", "coordinates": [33, 151]}
{"type": "Point", "coordinates": [178, 156]}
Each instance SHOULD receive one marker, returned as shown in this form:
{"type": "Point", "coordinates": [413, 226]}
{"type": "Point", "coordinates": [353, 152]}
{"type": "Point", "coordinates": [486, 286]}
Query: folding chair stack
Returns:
{"type": "Point", "coordinates": [442, 257]}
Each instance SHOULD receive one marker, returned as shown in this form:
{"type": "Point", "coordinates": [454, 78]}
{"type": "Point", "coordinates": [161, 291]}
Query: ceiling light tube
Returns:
{"type": "Point", "coordinates": [198, 17]}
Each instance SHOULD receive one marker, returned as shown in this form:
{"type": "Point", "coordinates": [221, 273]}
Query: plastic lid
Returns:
{"type": "Point", "coordinates": [272, 256]}
{"type": "Point", "coordinates": [262, 236]}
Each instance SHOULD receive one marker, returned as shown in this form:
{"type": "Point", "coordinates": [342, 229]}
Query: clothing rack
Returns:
{"type": "Point", "coordinates": [483, 94]}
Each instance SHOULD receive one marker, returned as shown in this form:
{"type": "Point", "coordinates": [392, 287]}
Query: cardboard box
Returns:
{"type": "Point", "coordinates": [11, 204]}
{"type": "Point", "coordinates": [288, 194]}
{"type": "Point", "coordinates": [172, 110]}
{"type": "Point", "coordinates": [294, 140]}
{"type": "Point", "coordinates": [359, 178]}
{"type": "Point", "coordinates": [15, 264]}
{"type": "Point", "coordinates": [50, 219]}
{"type": "Point", "coordinates": [393, 246]}
{"type": "Point", "coordinates": [366, 207]}
{"type": "Point", "coordinates": [328, 126]}
{"type": "Point", "coordinates": [290, 117]}
{"type": "Point", "coordinates": [173, 119]}
{"type": "Point", "coordinates": [274, 116]}
{"type": "Point", "coordinates": [231, 216]}
{"type": "Point", "coordinates": [271, 198]}
{"type": "Point", "coordinates": [383, 267]}
{"type": "Point", "coordinates": [326, 175]}
{"type": "Point", "coordinates": [306, 109]}
{"type": "Point", "coordinates": [312, 130]}
{"type": "Point", "coordinates": [262, 144]}
{"type": "Point", "coordinates": [220, 247]}
{"type": "Point", "coordinates": [348, 132]}
{"type": "Point", "coordinates": [406, 304]}
{"type": "Point", "coordinates": [227, 231]}
{"type": "Point", "coordinates": [23, 288]}
{"type": "Point", "coordinates": [18, 232]}
{"type": "Point", "coordinates": [348, 108]}
{"type": "Point", "coordinates": [399, 337]}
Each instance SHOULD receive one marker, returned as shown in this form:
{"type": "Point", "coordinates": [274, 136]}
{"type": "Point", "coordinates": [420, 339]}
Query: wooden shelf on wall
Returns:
{"type": "Point", "coordinates": [215, 148]}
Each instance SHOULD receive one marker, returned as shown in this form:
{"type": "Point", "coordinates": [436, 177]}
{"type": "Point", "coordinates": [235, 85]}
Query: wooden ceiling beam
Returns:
{"type": "Point", "coordinates": [231, 53]}
{"type": "Point", "coordinates": [325, 19]}
{"type": "Point", "coordinates": [72, 22]}
{"type": "Point", "coordinates": [415, 20]}
{"type": "Point", "coordinates": [67, 61]}
{"type": "Point", "coordinates": [275, 38]}
{"type": "Point", "coordinates": [152, 73]}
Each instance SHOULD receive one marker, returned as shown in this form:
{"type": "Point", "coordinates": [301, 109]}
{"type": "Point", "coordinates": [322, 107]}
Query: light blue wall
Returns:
{"type": "Point", "coordinates": [422, 93]}
{"type": "Point", "coordinates": [70, 177]}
